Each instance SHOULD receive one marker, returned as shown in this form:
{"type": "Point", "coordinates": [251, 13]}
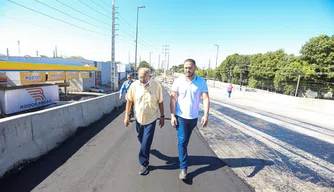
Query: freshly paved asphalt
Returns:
{"type": "Point", "coordinates": [103, 157]}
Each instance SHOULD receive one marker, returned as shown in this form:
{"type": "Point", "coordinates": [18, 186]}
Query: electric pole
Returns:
{"type": "Point", "coordinates": [113, 65]}
{"type": "Point", "coordinates": [18, 46]}
{"type": "Point", "coordinates": [165, 50]}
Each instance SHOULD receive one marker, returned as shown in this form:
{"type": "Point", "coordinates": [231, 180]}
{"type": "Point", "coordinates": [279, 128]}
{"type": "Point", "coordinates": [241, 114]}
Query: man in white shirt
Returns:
{"type": "Point", "coordinates": [186, 93]}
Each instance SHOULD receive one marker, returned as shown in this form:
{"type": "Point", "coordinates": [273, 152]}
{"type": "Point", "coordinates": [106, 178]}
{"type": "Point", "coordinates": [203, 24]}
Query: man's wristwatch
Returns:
{"type": "Point", "coordinates": [162, 116]}
{"type": "Point", "coordinates": [206, 115]}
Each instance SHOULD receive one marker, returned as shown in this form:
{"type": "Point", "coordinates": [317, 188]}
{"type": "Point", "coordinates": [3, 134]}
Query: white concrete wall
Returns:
{"type": "Point", "coordinates": [28, 136]}
{"type": "Point", "coordinates": [318, 105]}
{"type": "Point", "coordinates": [105, 69]}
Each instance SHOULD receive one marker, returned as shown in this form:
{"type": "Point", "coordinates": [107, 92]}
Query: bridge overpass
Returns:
{"type": "Point", "coordinates": [249, 145]}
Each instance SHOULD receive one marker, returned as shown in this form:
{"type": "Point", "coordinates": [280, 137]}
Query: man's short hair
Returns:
{"type": "Point", "coordinates": [190, 60]}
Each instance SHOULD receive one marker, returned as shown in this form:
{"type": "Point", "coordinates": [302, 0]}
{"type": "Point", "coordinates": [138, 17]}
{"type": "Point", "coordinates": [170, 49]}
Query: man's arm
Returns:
{"type": "Point", "coordinates": [173, 97]}
{"type": "Point", "coordinates": [127, 112]}
{"type": "Point", "coordinates": [206, 102]}
{"type": "Point", "coordinates": [121, 91]}
{"type": "Point", "coordinates": [161, 108]}
{"type": "Point", "coordinates": [162, 113]}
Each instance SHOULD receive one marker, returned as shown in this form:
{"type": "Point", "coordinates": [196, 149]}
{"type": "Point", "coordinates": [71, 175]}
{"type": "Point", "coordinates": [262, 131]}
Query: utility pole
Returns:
{"type": "Point", "coordinates": [297, 85]}
{"type": "Point", "coordinates": [159, 62]}
{"type": "Point", "coordinates": [18, 46]}
{"type": "Point", "coordinates": [168, 60]}
{"type": "Point", "coordinates": [150, 58]}
{"type": "Point", "coordinates": [113, 64]}
{"type": "Point", "coordinates": [36, 53]}
{"type": "Point", "coordinates": [165, 51]}
{"type": "Point", "coordinates": [7, 52]}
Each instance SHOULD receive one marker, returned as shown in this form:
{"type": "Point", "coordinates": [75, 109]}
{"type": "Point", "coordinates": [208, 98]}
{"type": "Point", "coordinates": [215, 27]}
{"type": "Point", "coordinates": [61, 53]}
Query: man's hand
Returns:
{"type": "Point", "coordinates": [204, 121]}
{"type": "Point", "coordinates": [120, 97]}
{"type": "Point", "coordinates": [173, 121]}
{"type": "Point", "coordinates": [126, 120]}
{"type": "Point", "coordinates": [162, 122]}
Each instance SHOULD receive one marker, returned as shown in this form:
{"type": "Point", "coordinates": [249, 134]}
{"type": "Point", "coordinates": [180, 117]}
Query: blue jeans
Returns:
{"type": "Point", "coordinates": [229, 93]}
{"type": "Point", "coordinates": [184, 128]}
{"type": "Point", "coordinates": [145, 137]}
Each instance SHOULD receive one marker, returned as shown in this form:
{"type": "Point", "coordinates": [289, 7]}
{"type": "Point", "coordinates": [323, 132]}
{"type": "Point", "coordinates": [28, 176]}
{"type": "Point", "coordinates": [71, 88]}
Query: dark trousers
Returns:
{"type": "Point", "coordinates": [145, 137]}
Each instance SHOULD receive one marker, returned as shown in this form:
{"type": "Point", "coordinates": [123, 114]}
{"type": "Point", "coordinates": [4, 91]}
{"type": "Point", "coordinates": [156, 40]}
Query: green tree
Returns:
{"type": "Point", "coordinates": [144, 64]}
{"type": "Point", "coordinates": [320, 51]}
{"type": "Point", "coordinates": [75, 57]}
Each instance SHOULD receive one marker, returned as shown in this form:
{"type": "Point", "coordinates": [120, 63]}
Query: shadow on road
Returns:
{"type": "Point", "coordinates": [211, 163]}
{"type": "Point", "coordinates": [33, 173]}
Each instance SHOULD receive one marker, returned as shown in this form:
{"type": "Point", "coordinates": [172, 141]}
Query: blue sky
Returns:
{"type": "Point", "coordinates": [190, 28]}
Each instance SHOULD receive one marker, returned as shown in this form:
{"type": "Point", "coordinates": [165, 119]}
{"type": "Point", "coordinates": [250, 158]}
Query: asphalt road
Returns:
{"type": "Point", "coordinates": [103, 157]}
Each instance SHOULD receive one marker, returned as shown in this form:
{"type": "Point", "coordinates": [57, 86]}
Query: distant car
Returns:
{"type": "Point", "coordinates": [96, 89]}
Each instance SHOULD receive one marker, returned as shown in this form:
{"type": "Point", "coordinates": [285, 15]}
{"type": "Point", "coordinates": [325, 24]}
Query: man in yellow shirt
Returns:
{"type": "Point", "coordinates": [146, 95]}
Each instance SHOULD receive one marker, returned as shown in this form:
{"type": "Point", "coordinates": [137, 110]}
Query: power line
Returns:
{"type": "Point", "coordinates": [57, 19]}
{"type": "Point", "coordinates": [53, 29]}
{"type": "Point", "coordinates": [105, 3]}
{"type": "Point", "coordinates": [70, 15]}
{"type": "Point", "coordinates": [100, 6]}
{"type": "Point", "coordinates": [82, 13]}
{"type": "Point", "coordinates": [143, 39]}
{"type": "Point", "coordinates": [94, 9]}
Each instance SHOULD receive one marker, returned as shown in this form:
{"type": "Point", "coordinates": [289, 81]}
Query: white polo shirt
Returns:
{"type": "Point", "coordinates": [188, 96]}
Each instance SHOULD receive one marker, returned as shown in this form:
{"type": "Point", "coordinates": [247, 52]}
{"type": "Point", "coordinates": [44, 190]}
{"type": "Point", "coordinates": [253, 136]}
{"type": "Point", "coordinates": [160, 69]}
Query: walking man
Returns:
{"type": "Point", "coordinates": [186, 93]}
{"type": "Point", "coordinates": [146, 95]}
{"type": "Point", "coordinates": [124, 89]}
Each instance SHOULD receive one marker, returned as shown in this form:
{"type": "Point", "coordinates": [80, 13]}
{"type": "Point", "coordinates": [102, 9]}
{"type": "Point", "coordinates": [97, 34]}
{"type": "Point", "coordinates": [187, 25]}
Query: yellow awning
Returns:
{"type": "Point", "coordinates": [24, 66]}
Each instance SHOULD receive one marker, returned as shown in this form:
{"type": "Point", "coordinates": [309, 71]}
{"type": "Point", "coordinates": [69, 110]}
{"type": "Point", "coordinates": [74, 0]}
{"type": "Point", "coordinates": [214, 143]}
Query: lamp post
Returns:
{"type": "Point", "coordinates": [150, 58]}
{"type": "Point", "coordinates": [214, 81]}
{"type": "Point", "coordinates": [137, 36]}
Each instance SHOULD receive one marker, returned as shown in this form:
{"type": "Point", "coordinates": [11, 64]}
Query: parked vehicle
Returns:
{"type": "Point", "coordinates": [96, 89]}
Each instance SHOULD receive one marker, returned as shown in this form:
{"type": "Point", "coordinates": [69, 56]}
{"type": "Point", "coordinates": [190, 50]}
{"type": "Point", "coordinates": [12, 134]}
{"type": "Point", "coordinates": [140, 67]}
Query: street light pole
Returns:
{"type": "Point", "coordinates": [150, 58]}
{"type": "Point", "coordinates": [137, 37]}
{"type": "Point", "coordinates": [217, 55]}
{"type": "Point", "coordinates": [214, 81]}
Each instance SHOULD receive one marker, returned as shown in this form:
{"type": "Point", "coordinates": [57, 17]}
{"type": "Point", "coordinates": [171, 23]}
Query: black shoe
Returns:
{"type": "Point", "coordinates": [143, 170]}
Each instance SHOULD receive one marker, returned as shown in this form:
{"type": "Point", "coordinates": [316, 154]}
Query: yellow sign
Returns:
{"type": "Point", "coordinates": [84, 75]}
{"type": "Point", "coordinates": [72, 75]}
{"type": "Point", "coordinates": [56, 76]}
{"type": "Point", "coordinates": [32, 78]}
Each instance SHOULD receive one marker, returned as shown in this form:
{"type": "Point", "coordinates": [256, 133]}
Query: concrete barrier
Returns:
{"type": "Point", "coordinates": [28, 136]}
{"type": "Point", "coordinates": [318, 105]}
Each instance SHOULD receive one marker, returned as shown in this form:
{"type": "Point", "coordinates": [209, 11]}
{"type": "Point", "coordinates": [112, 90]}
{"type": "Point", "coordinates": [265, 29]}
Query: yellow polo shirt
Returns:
{"type": "Point", "coordinates": [146, 100]}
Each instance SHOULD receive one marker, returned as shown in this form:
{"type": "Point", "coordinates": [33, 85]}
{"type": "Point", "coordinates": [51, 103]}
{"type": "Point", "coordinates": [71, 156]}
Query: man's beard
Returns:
{"type": "Point", "coordinates": [190, 74]}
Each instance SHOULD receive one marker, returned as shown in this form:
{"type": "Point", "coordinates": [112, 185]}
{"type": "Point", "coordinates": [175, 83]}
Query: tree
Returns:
{"type": "Point", "coordinates": [320, 51]}
{"type": "Point", "coordinates": [144, 64]}
{"type": "Point", "coordinates": [75, 57]}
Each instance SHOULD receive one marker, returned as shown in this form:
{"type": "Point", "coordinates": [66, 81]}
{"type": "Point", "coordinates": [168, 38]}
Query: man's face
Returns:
{"type": "Point", "coordinates": [129, 78]}
{"type": "Point", "coordinates": [144, 77]}
{"type": "Point", "coordinates": [189, 69]}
